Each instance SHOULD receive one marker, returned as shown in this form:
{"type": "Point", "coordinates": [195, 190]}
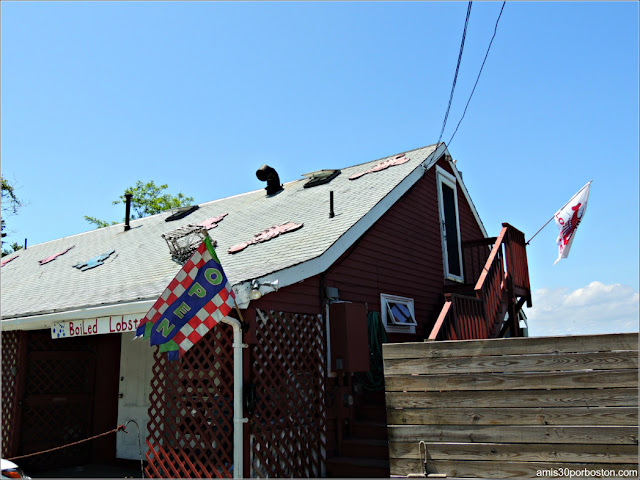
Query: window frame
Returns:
{"type": "Point", "coordinates": [389, 325]}
{"type": "Point", "coordinates": [444, 177]}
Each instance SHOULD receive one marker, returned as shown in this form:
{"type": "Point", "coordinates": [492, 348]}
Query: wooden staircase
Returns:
{"type": "Point", "coordinates": [490, 306]}
{"type": "Point", "coordinates": [365, 450]}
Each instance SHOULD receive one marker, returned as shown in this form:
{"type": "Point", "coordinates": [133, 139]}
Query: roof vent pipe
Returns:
{"type": "Point", "coordinates": [331, 213]}
{"type": "Point", "coordinates": [268, 174]}
{"type": "Point", "coordinates": [127, 214]}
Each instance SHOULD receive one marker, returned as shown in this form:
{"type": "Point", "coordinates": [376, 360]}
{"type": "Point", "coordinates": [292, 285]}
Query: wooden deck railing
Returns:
{"type": "Point", "coordinates": [474, 256]}
{"type": "Point", "coordinates": [504, 277]}
{"type": "Point", "coordinates": [517, 266]}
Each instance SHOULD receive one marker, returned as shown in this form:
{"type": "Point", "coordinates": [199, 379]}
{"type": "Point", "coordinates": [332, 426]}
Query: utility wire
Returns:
{"type": "Point", "coordinates": [455, 77]}
{"type": "Point", "coordinates": [478, 78]}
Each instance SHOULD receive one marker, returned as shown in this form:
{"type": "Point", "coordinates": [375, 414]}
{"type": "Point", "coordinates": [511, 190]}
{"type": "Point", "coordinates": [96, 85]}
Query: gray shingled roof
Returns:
{"type": "Point", "coordinates": [141, 266]}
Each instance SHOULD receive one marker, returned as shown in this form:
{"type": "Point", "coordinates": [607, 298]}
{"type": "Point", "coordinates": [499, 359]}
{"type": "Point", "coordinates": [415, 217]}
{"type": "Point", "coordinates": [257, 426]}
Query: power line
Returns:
{"type": "Point", "coordinates": [478, 78]}
{"type": "Point", "coordinates": [455, 77]}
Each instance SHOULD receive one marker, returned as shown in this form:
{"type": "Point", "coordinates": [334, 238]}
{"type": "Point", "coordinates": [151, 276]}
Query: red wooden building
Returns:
{"type": "Point", "coordinates": [324, 269]}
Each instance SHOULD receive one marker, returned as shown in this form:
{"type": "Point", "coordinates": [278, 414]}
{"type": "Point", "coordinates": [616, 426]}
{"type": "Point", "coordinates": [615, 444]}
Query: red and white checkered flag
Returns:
{"type": "Point", "coordinates": [196, 299]}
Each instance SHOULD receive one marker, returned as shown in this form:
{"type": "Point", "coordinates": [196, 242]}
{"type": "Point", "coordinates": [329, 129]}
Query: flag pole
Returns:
{"type": "Point", "coordinates": [240, 315]}
{"type": "Point", "coordinates": [541, 228]}
{"type": "Point", "coordinates": [212, 244]}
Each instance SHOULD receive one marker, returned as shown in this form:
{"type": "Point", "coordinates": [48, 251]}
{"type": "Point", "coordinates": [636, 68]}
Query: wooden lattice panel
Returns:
{"type": "Point", "coordinates": [288, 429]}
{"type": "Point", "coordinates": [10, 357]}
{"type": "Point", "coordinates": [191, 414]}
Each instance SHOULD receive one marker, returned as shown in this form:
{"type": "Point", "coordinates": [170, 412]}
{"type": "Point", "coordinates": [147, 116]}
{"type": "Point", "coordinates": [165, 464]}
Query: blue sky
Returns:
{"type": "Point", "coordinates": [98, 95]}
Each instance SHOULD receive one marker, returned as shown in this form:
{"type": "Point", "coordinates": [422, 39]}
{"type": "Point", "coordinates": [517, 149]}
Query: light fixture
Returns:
{"type": "Point", "coordinates": [256, 288]}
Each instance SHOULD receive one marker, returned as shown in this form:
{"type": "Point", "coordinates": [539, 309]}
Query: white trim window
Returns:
{"type": "Point", "coordinates": [398, 314]}
{"type": "Point", "coordinates": [449, 225]}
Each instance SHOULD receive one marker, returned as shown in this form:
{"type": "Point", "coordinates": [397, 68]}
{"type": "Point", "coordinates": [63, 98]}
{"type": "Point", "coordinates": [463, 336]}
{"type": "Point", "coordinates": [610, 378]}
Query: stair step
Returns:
{"type": "Point", "coordinates": [361, 447]}
{"type": "Point", "coordinates": [352, 467]}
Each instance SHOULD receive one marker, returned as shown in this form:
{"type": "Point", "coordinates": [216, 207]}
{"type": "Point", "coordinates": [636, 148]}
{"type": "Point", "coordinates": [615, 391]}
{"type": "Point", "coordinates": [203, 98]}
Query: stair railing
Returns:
{"type": "Point", "coordinates": [504, 276]}
{"type": "Point", "coordinates": [468, 313]}
{"type": "Point", "coordinates": [474, 258]}
{"type": "Point", "coordinates": [490, 287]}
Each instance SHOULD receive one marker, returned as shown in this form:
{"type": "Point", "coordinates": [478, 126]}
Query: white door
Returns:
{"type": "Point", "coordinates": [136, 363]}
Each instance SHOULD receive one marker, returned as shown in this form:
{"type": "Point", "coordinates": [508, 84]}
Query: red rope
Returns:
{"type": "Point", "coordinates": [118, 428]}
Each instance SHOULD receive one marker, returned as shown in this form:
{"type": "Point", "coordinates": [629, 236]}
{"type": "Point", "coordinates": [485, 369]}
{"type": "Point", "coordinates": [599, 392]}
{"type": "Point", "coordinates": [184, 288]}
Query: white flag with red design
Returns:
{"type": "Point", "coordinates": [568, 218]}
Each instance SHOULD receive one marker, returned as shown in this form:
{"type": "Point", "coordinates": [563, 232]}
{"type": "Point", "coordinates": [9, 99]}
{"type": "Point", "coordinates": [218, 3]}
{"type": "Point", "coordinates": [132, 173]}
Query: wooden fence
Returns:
{"type": "Point", "coordinates": [554, 407]}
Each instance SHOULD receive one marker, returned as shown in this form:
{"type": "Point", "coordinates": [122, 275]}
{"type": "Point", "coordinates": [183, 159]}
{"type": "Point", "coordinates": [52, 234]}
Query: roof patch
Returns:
{"type": "Point", "coordinates": [266, 235]}
{"type": "Point", "coordinates": [212, 222]}
{"type": "Point", "coordinates": [397, 160]}
{"type": "Point", "coordinates": [94, 262]}
{"type": "Point", "coordinates": [54, 256]}
{"type": "Point", "coordinates": [7, 260]}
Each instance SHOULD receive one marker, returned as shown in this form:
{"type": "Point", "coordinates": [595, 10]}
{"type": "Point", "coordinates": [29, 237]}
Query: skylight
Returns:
{"type": "Point", "coordinates": [320, 177]}
{"type": "Point", "coordinates": [181, 212]}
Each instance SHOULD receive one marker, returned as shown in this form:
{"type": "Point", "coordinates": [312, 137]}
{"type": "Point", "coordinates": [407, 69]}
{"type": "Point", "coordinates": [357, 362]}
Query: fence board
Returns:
{"type": "Point", "coordinates": [491, 469]}
{"type": "Point", "coordinates": [610, 397]}
{"type": "Point", "coordinates": [517, 452]}
{"type": "Point", "coordinates": [515, 346]}
{"type": "Point", "coordinates": [517, 407]}
{"type": "Point", "coordinates": [512, 363]}
{"type": "Point", "coordinates": [510, 416]}
{"type": "Point", "coordinates": [625, 435]}
{"type": "Point", "coordinates": [512, 381]}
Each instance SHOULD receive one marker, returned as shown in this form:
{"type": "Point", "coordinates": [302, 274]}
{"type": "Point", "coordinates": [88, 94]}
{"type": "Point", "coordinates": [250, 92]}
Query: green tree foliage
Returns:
{"type": "Point", "coordinates": [148, 199]}
{"type": "Point", "coordinates": [99, 223]}
{"type": "Point", "coordinates": [10, 205]}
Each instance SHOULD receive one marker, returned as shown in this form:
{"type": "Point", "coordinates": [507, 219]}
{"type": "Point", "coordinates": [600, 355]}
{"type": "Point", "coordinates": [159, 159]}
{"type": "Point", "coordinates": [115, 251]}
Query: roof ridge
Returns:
{"type": "Point", "coordinates": [397, 153]}
{"type": "Point", "coordinates": [120, 224]}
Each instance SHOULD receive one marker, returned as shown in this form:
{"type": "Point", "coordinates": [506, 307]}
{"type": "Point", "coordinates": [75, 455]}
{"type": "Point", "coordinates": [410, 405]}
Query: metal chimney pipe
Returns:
{"type": "Point", "coordinates": [331, 214]}
{"type": "Point", "coordinates": [268, 174]}
{"type": "Point", "coordinates": [127, 214]}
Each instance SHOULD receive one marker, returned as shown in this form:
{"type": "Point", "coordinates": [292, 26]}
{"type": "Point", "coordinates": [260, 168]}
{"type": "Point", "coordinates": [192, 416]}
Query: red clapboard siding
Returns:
{"type": "Point", "coordinates": [400, 255]}
{"type": "Point", "coordinates": [303, 297]}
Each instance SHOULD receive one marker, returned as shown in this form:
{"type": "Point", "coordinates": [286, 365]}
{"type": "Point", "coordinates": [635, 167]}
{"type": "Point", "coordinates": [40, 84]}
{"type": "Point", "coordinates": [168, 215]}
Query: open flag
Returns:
{"type": "Point", "coordinates": [568, 218]}
{"type": "Point", "coordinates": [196, 299]}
